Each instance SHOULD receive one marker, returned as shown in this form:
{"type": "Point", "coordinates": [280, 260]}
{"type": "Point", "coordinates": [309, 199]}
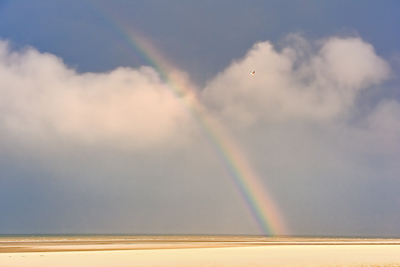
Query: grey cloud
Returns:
{"type": "Point", "coordinates": [331, 170]}
{"type": "Point", "coordinates": [331, 166]}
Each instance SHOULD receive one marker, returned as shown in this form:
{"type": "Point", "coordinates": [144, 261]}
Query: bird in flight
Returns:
{"type": "Point", "coordinates": [253, 72]}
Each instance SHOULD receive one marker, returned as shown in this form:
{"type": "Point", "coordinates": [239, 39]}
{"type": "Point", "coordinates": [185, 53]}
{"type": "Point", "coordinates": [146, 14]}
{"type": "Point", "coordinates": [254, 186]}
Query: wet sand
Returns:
{"type": "Point", "coordinates": [197, 251]}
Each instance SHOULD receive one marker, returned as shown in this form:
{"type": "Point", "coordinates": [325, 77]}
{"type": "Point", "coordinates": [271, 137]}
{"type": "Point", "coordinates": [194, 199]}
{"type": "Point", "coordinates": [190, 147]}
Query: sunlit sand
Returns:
{"type": "Point", "coordinates": [197, 251]}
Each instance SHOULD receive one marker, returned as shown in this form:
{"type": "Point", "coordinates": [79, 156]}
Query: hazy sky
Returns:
{"type": "Point", "coordinates": [95, 138]}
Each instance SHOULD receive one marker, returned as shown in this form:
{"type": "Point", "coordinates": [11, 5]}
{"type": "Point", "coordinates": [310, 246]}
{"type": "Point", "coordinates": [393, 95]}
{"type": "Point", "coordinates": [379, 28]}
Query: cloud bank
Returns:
{"type": "Point", "coordinates": [44, 99]}
{"type": "Point", "coordinates": [314, 121]}
{"type": "Point", "coordinates": [303, 80]}
{"type": "Point", "coordinates": [317, 131]}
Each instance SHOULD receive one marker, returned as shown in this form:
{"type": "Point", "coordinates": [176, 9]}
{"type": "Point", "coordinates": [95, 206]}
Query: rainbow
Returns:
{"type": "Point", "coordinates": [246, 181]}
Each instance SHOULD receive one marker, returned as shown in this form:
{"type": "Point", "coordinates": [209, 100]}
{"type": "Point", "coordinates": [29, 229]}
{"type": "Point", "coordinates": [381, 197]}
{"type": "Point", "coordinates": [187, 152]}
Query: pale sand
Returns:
{"type": "Point", "coordinates": [201, 252]}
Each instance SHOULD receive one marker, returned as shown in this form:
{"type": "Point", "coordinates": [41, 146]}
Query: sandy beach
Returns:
{"type": "Point", "coordinates": [197, 251]}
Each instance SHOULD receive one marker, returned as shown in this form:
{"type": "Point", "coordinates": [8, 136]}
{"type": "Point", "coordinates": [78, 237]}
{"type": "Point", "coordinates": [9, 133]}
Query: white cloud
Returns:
{"type": "Point", "coordinates": [319, 154]}
{"type": "Point", "coordinates": [296, 82]}
{"type": "Point", "coordinates": [41, 99]}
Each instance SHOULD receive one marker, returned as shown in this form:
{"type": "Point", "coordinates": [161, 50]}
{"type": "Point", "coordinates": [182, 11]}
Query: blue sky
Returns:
{"type": "Point", "coordinates": [92, 142]}
{"type": "Point", "coordinates": [202, 36]}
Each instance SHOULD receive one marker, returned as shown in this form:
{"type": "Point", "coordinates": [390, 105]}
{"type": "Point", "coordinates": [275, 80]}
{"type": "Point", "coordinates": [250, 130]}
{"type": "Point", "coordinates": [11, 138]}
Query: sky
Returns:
{"type": "Point", "coordinates": [141, 117]}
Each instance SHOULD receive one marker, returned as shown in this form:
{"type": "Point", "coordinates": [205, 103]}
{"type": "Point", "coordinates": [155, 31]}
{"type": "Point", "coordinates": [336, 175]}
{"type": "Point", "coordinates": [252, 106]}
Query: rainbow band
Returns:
{"type": "Point", "coordinates": [246, 181]}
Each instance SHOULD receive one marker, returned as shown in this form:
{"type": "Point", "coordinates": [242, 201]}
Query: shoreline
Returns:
{"type": "Point", "coordinates": [104, 243]}
{"type": "Point", "coordinates": [179, 251]}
